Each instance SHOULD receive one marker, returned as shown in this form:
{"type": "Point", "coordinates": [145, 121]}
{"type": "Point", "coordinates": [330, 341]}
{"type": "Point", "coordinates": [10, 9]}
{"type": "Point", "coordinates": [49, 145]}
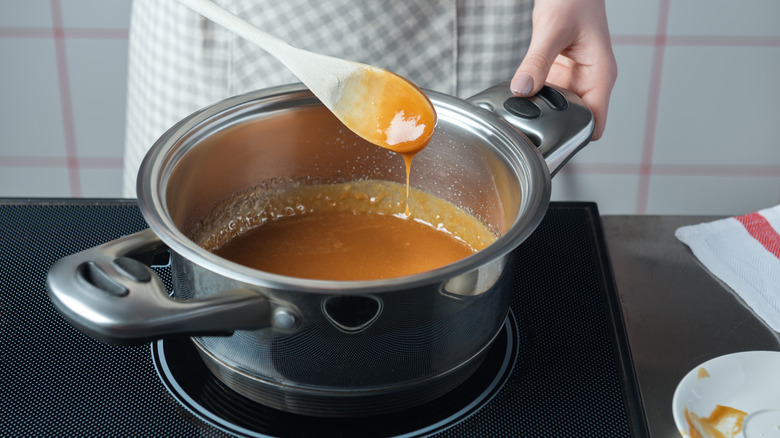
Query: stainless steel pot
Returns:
{"type": "Point", "coordinates": [316, 347]}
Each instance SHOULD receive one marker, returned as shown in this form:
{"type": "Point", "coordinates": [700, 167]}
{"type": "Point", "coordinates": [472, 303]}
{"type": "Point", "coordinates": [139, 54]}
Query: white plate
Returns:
{"type": "Point", "coordinates": [748, 382]}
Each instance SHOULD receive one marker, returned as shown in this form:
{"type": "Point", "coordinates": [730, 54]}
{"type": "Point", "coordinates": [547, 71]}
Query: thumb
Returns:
{"type": "Point", "coordinates": [533, 71]}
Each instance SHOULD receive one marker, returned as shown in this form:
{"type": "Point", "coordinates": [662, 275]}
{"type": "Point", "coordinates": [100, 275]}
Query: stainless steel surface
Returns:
{"type": "Point", "coordinates": [559, 133]}
{"type": "Point", "coordinates": [109, 294]}
{"type": "Point", "coordinates": [677, 314]}
{"type": "Point", "coordinates": [428, 328]}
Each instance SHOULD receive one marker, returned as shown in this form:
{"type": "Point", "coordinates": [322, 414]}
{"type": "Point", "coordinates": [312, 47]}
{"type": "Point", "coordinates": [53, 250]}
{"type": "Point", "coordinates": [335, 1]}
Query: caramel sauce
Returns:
{"type": "Point", "coordinates": [349, 231]}
{"type": "Point", "coordinates": [345, 246]}
{"type": "Point", "coordinates": [723, 422]}
{"type": "Point", "coordinates": [389, 111]}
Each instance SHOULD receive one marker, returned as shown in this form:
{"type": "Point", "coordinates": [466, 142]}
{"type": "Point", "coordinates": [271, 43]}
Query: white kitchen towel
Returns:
{"type": "Point", "coordinates": [744, 252]}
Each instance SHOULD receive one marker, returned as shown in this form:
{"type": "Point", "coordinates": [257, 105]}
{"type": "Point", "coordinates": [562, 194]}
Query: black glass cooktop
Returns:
{"type": "Point", "coordinates": [560, 367]}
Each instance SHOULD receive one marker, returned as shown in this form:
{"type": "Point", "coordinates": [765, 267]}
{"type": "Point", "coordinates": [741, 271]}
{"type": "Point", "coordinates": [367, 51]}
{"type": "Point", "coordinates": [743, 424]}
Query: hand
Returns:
{"type": "Point", "coordinates": [571, 48]}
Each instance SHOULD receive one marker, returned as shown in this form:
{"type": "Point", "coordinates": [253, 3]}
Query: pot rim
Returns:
{"type": "Point", "coordinates": [161, 159]}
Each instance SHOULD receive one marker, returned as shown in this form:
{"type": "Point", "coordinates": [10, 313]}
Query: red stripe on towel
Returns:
{"type": "Point", "coordinates": [761, 230]}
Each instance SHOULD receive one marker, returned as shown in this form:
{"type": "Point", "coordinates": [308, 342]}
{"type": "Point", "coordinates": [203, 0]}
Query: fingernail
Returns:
{"type": "Point", "coordinates": [522, 84]}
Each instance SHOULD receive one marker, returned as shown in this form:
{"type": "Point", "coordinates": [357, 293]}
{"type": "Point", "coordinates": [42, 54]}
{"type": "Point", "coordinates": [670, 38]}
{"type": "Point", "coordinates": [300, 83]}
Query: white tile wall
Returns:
{"type": "Point", "coordinates": [96, 14]}
{"type": "Point", "coordinates": [97, 95]}
{"type": "Point", "coordinates": [694, 125]}
{"type": "Point", "coordinates": [27, 14]}
{"type": "Point", "coordinates": [62, 97]}
{"type": "Point", "coordinates": [723, 18]}
{"type": "Point", "coordinates": [30, 107]}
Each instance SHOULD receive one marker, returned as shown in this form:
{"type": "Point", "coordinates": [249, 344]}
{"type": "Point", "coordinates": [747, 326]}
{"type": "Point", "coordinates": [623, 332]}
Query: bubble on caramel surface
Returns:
{"type": "Point", "coordinates": [279, 198]}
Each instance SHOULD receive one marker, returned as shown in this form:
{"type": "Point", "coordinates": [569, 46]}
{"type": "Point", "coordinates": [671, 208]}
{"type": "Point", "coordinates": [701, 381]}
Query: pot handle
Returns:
{"type": "Point", "coordinates": [556, 120]}
{"type": "Point", "coordinates": [109, 294]}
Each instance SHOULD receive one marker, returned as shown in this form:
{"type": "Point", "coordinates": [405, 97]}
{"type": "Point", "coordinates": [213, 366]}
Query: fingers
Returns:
{"type": "Point", "coordinates": [552, 33]}
{"type": "Point", "coordinates": [594, 84]}
{"type": "Point", "coordinates": [597, 99]}
{"type": "Point", "coordinates": [571, 48]}
{"type": "Point", "coordinates": [535, 67]}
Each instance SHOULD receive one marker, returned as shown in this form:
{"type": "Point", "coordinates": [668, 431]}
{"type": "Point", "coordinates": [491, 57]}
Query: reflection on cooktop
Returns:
{"type": "Point", "coordinates": [187, 378]}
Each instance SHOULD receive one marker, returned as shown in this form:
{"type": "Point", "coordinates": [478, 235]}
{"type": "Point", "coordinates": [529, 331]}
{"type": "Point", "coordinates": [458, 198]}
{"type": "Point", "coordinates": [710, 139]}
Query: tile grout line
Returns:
{"type": "Point", "coordinates": [31, 161]}
{"type": "Point", "coordinates": [71, 32]}
{"type": "Point", "coordinates": [71, 153]}
{"type": "Point", "coordinates": [697, 40]}
{"type": "Point", "coordinates": [651, 118]}
{"type": "Point", "coordinates": [594, 168]}
{"type": "Point", "coordinates": [747, 41]}
{"type": "Point", "coordinates": [766, 170]}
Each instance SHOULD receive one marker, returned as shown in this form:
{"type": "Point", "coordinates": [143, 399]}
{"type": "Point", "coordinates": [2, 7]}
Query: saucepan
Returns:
{"type": "Point", "coordinates": [318, 347]}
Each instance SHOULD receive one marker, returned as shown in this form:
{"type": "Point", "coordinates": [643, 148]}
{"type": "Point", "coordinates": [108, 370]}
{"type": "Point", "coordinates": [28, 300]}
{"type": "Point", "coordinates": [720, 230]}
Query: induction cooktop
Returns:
{"type": "Point", "coordinates": [561, 366]}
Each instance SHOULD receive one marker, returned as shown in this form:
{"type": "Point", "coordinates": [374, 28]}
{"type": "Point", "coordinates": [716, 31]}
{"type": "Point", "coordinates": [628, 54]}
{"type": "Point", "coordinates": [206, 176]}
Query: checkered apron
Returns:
{"type": "Point", "coordinates": [180, 62]}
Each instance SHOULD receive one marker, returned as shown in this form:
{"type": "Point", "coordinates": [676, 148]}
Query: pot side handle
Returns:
{"type": "Point", "coordinates": [107, 293]}
{"type": "Point", "coordinates": [556, 120]}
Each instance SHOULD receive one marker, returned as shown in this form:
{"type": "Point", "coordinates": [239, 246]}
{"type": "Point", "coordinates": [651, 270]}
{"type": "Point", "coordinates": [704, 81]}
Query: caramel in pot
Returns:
{"type": "Point", "coordinates": [349, 231]}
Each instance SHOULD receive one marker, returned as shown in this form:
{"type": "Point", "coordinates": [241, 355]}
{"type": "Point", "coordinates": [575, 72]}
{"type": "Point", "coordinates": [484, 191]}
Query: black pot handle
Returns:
{"type": "Point", "coordinates": [109, 294]}
{"type": "Point", "coordinates": [556, 120]}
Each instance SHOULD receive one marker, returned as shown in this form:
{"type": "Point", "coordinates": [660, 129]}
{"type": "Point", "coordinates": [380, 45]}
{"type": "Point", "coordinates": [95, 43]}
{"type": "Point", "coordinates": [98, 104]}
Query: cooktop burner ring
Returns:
{"type": "Point", "coordinates": [189, 381]}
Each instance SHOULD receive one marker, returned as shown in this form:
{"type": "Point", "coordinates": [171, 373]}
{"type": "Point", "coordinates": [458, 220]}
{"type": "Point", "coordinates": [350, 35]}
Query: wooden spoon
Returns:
{"type": "Point", "coordinates": [378, 105]}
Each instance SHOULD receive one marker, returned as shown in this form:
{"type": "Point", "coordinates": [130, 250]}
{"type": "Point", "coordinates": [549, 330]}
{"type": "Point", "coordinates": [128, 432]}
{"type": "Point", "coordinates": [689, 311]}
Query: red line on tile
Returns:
{"type": "Point", "coordinates": [99, 34]}
{"type": "Point", "coordinates": [26, 32]}
{"type": "Point", "coordinates": [601, 168]}
{"type": "Point", "coordinates": [729, 170]}
{"type": "Point", "coordinates": [617, 39]}
{"type": "Point", "coordinates": [632, 40]}
{"type": "Point", "coordinates": [750, 170]}
{"type": "Point", "coordinates": [6, 161]}
{"type": "Point", "coordinates": [101, 162]}
{"type": "Point", "coordinates": [651, 119]}
{"type": "Point", "coordinates": [73, 32]}
{"type": "Point", "coordinates": [723, 41]}
{"type": "Point", "coordinates": [698, 40]}
{"type": "Point", "coordinates": [84, 162]}
{"type": "Point", "coordinates": [71, 154]}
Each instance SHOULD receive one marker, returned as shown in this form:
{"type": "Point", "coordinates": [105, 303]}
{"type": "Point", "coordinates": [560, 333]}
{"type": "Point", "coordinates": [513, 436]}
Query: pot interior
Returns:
{"type": "Point", "coordinates": [474, 160]}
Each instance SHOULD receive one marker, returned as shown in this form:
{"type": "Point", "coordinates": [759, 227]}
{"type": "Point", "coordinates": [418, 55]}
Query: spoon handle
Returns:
{"type": "Point", "coordinates": [324, 75]}
{"type": "Point", "coordinates": [238, 25]}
